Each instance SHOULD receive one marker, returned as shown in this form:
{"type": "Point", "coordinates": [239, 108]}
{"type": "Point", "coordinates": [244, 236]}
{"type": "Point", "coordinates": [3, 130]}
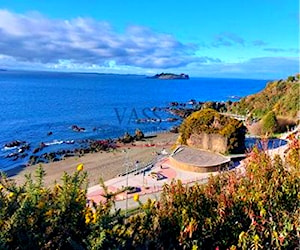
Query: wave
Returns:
{"type": "Point", "coordinates": [55, 142]}
{"type": "Point", "coordinates": [9, 148]}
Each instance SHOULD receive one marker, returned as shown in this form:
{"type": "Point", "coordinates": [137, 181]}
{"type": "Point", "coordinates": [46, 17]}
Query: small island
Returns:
{"type": "Point", "coordinates": [170, 76]}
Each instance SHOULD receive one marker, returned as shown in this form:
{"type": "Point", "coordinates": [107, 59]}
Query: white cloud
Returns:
{"type": "Point", "coordinates": [33, 41]}
{"type": "Point", "coordinates": [259, 67]}
{"type": "Point", "coordinates": [82, 41]}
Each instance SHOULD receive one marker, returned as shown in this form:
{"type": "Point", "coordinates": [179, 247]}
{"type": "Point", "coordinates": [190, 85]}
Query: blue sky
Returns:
{"type": "Point", "coordinates": [216, 38]}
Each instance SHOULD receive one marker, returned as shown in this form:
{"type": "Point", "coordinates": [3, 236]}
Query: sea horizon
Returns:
{"type": "Point", "coordinates": [129, 74]}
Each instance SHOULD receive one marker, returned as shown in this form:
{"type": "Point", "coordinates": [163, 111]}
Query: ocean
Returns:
{"type": "Point", "coordinates": [42, 107]}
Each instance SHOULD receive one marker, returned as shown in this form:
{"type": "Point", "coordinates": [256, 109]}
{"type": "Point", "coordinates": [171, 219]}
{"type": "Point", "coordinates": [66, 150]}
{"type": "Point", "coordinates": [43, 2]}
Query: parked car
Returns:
{"type": "Point", "coordinates": [157, 176]}
{"type": "Point", "coordinates": [132, 190]}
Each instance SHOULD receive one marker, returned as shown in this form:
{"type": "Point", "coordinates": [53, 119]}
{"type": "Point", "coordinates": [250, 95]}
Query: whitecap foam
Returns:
{"type": "Point", "coordinates": [55, 142]}
{"type": "Point", "coordinates": [9, 148]}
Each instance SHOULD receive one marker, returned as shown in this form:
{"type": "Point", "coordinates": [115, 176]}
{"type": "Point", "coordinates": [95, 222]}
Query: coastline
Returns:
{"type": "Point", "coordinates": [105, 165]}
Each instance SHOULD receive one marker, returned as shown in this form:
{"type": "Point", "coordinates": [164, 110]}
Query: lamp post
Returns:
{"type": "Point", "coordinates": [126, 163]}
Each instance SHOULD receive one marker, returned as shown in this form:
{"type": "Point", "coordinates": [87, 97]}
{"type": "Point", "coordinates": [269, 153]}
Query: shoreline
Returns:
{"type": "Point", "coordinates": [105, 165]}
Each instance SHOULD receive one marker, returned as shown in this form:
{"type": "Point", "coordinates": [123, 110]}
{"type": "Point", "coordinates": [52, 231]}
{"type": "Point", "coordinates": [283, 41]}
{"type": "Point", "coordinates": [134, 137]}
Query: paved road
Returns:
{"type": "Point", "coordinates": [143, 198]}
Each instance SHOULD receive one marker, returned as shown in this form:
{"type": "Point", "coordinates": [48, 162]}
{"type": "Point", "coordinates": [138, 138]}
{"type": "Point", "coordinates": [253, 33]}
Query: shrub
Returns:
{"type": "Point", "coordinates": [281, 96]}
{"type": "Point", "coordinates": [35, 217]}
{"type": "Point", "coordinates": [258, 209]}
{"type": "Point", "coordinates": [269, 123]}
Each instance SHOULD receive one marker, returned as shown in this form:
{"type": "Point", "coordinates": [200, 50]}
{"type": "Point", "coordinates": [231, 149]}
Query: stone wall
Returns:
{"type": "Point", "coordinates": [198, 169]}
{"type": "Point", "coordinates": [212, 142]}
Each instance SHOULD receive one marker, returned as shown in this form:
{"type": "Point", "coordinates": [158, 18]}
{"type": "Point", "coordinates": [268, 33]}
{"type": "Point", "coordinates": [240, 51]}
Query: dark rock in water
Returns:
{"type": "Point", "coordinates": [24, 148]}
{"type": "Point", "coordinates": [33, 159]}
{"type": "Point", "coordinates": [36, 150]}
{"type": "Point", "coordinates": [174, 129]}
{"type": "Point", "coordinates": [192, 102]}
{"type": "Point", "coordinates": [15, 158]}
{"type": "Point", "coordinates": [23, 155]}
{"type": "Point", "coordinates": [12, 144]}
{"type": "Point", "coordinates": [51, 156]}
{"type": "Point", "coordinates": [77, 128]}
{"type": "Point", "coordinates": [11, 155]}
{"type": "Point", "coordinates": [69, 155]}
{"type": "Point", "coordinates": [139, 135]}
{"type": "Point", "coordinates": [174, 104]}
{"type": "Point", "coordinates": [127, 138]}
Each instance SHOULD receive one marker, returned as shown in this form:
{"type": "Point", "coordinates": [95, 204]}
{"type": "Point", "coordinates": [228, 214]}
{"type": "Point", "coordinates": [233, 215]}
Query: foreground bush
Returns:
{"type": "Point", "coordinates": [259, 209]}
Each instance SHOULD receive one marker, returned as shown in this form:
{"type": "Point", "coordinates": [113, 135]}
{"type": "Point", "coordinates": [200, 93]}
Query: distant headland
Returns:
{"type": "Point", "coordinates": [170, 76]}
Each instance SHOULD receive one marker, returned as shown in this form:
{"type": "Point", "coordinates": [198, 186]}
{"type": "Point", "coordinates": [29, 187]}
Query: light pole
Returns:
{"type": "Point", "coordinates": [126, 163]}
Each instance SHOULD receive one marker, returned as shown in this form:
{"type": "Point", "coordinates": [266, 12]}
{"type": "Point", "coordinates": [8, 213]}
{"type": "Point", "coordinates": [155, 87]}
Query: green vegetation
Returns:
{"type": "Point", "coordinates": [282, 97]}
{"type": "Point", "coordinates": [257, 210]}
{"type": "Point", "coordinates": [269, 123]}
{"type": "Point", "coordinates": [211, 122]}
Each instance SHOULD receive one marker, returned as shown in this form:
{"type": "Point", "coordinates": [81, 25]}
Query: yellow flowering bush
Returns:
{"type": "Point", "coordinates": [35, 217]}
{"type": "Point", "coordinates": [257, 210]}
{"type": "Point", "coordinates": [136, 197]}
{"type": "Point", "coordinates": [80, 167]}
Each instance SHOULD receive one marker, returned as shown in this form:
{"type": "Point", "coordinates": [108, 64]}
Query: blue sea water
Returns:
{"type": "Point", "coordinates": [35, 103]}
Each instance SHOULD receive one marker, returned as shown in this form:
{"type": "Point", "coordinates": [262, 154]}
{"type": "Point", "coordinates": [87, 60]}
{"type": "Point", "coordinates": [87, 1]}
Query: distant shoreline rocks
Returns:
{"type": "Point", "coordinates": [170, 76]}
{"type": "Point", "coordinates": [76, 128]}
{"type": "Point", "coordinates": [13, 144]}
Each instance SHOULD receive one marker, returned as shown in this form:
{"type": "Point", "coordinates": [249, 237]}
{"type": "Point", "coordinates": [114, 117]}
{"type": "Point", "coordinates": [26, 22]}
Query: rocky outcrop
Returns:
{"type": "Point", "coordinates": [210, 130]}
{"type": "Point", "coordinates": [212, 142]}
{"type": "Point", "coordinates": [170, 76]}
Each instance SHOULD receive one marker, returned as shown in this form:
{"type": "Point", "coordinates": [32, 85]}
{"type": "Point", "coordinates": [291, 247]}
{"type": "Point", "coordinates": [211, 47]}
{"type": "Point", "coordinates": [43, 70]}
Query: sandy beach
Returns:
{"type": "Point", "coordinates": [104, 165]}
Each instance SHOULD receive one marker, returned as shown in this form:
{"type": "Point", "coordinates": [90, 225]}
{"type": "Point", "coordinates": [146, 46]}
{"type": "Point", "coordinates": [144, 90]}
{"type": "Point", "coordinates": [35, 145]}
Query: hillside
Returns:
{"type": "Point", "coordinates": [281, 97]}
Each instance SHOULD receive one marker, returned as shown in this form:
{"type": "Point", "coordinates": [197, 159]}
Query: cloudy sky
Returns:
{"type": "Point", "coordinates": [233, 38]}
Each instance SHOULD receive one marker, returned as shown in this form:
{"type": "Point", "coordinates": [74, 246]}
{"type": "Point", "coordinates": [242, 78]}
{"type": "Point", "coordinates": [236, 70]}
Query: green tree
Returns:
{"type": "Point", "coordinates": [269, 123]}
{"type": "Point", "coordinates": [291, 78]}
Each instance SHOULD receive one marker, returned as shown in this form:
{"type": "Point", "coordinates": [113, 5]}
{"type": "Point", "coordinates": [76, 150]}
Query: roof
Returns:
{"type": "Point", "coordinates": [199, 157]}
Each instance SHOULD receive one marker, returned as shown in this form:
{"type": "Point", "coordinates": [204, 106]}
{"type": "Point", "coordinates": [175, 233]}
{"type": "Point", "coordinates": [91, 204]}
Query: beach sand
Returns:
{"type": "Point", "coordinates": [105, 165]}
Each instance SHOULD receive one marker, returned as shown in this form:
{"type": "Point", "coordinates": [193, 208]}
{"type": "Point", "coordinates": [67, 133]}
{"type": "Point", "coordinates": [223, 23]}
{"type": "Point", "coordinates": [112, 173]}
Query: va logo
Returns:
{"type": "Point", "coordinates": [126, 116]}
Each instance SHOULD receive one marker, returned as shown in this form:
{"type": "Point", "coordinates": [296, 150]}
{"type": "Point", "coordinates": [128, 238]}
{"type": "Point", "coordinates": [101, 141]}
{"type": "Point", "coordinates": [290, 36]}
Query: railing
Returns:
{"type": "Point", "coordinates": [154, 132]}
{"type": "Point", "coordinates": [238, 117]}
{"type": "Point", "coordinates": [141, 169]}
